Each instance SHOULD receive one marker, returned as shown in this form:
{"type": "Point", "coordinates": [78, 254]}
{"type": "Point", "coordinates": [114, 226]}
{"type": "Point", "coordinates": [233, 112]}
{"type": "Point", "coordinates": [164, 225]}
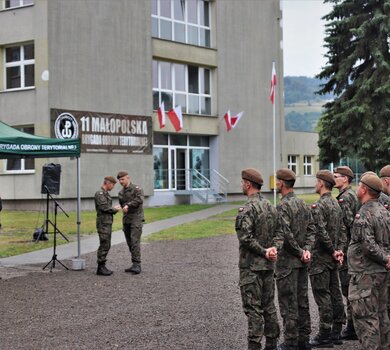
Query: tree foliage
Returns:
{"type": "Point", "coordinates": [357, 121]}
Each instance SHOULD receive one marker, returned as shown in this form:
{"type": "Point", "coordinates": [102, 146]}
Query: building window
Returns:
{"type": "Point", "coordinates": [308, 165]}
{"type": "Point", "coordinates": [182, 85]}
{"type": "Point", "coordinates": [292, 163]}
{"type": "Point", "coordinates": [21, 165]}
{"type": "Point", "coordinates": [19, 66]}
{"type": "Point", "coordinates": [186, 21]}
{"type": "Point", "coordinates": [17, 3]}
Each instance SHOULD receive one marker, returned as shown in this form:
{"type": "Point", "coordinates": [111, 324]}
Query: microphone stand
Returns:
{"type": "Point", "coordinates": [56, 230]}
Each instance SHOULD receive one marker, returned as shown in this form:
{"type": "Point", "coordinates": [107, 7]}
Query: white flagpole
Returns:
{"type": "Point", "coordinates": [274, 133]}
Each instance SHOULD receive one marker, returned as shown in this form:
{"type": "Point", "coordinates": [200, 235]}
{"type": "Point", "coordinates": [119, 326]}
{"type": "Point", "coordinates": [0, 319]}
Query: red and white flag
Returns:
{"type": "Point", "coordinates": [176, 118]}
{"type": "Point", "coordinates": [161, 115]}
{"type": "Point", "coordinates": [273, 84]}
{"type": "Point", "coordinates": [232, 121]}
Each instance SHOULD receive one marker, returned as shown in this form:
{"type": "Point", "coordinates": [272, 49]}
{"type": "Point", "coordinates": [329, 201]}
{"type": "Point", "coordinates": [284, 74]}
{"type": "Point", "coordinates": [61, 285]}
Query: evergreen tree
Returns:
{"type": "Point", "coordinates": [357, 121]}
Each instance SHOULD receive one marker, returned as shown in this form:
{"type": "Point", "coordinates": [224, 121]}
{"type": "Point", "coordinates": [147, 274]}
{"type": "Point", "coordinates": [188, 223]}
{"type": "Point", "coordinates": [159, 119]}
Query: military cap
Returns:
{"type": "Point", "coordinates": [285, 174]}
{"type": "Point", "coordinates": [385, 171]}
{"type": "Point", "coordinates": [344, 170]}
{"type": "Point", "coordinates": [111, 179]}
{"type": "Point", "coordinates": [327, 176]}
{"type": "Point", "coordinates": [253, 175]}
{"type": "Point", "coordinates": [121, 174]}
{"type": "Point", "coordinates": [372, 181]}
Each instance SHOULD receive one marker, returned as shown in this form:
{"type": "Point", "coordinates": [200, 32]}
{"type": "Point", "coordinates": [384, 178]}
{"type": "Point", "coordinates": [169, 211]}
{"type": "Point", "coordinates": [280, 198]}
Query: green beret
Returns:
{"type": "Point", "coordinates": [327, 176]}
{"type": "Point", "coordinates": [285, 174]}
{"type": "Point", "coordinates": [385, 171]}
{"type": "Point", "coordinates": [252, 175]}
{"type": "Point", "coordinates": [373, 182]}
{"type": "Point", "coordinates": [121, 174]}
{"type": "Point", "coordinates": [344, 170]}
{"type": "Point", "coordinates": [111, 179]}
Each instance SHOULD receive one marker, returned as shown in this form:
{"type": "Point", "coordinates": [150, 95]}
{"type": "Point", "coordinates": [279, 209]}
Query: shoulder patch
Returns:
{"type": "Point", "coordinates": [341, 200]}
{"type": "Point", "coordinates": [387, 206]}
{"type": "Point", "coordinates": [314, 205]}
{"type": "Point", "coordinates": [101, 192]}
{"type": "Point", "coordinates": [240, 209]}
{"type": "Point", "coordinates": [357, 216]}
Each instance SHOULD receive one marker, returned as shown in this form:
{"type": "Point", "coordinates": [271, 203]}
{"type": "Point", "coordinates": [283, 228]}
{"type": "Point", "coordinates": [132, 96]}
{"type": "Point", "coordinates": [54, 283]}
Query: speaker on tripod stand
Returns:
{"type": "Point", "coordinates": [51, 176]}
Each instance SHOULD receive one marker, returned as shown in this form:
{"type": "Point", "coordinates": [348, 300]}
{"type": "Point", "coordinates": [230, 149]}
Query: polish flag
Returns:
{"type": "Point", "coordinates": [161, 115]}
{"type": "Point", "coordinates": [273, 84]}
{"type": "Point", "coordinates": [232, 121]}
{"type": "Point", "coordinates": [176, 118]}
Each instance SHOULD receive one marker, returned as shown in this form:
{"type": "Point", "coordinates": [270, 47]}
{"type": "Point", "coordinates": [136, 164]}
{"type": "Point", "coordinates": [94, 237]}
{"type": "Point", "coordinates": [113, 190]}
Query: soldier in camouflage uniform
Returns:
{"type": "Point", "coordinates": [131, 198]}
{"type": "Point", "coordinates": [384, 198]}
{"type": "Point", "coordinates": [368, 262]}
{"type": "Point", "coordinates": [104, 219]}
{"type": "Point", "coordinates": [349, 204]}
{"type": "Point", "coordinates": [259, 240]}
{"type": "Point", "coordinates": [327, 254]}
{"type": "Point", "coordinates": [292, 264]}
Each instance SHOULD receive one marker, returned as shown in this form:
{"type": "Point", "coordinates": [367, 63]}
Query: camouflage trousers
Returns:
{"type": "Point", "coordinates": [325, 285]}
{"type": "Point", "coordinates": [104, 232]}
{"type": "Point", "coordinates": [368, 297]}
{"type": "Point", "coordinates": [294, 305]}
{"type": "Point", "coordinates": [133, 234]}
{"type": "Point", "coordinates": [344, 281]}
{"type": "Point", "coordinates": [257, 293]}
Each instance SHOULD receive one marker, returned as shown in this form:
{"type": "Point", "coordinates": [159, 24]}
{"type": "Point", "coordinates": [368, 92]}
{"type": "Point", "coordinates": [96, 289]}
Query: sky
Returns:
{"type": "Point", "coordinates": [303, 34]}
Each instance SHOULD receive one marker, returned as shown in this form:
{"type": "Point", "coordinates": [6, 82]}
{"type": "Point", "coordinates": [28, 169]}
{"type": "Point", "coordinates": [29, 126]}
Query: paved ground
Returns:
{"type": "Point", "coordinates": [186, 298]}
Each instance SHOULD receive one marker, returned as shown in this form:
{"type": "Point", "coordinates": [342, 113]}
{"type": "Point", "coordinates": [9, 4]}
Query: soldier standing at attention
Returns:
{"type": "Point", "coordinates": [349, 205]}
{"type": "Point", "coordinates": [131, 198]}
{"type": "Point", "coordinates": [368, 262]}
{"type": "Point", "coordinates": [327, 253]}
{"type": "Point", "coordinates": [384, 198]}
{"type": "Point", "coordinates": [104, 219]}
{"type": "Point", "coordinates": [259, 240]}
{"type": "Point", "coordinates": [292, 264]}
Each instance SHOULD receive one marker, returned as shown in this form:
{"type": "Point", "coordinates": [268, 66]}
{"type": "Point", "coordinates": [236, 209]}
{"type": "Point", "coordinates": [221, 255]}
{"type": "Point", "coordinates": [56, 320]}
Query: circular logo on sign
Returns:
{"type": "Point", "coordinates": [66, 126]}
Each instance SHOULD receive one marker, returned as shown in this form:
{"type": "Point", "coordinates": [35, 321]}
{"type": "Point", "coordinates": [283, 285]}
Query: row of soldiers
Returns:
{"type": "Point", "coordinates": [341, 244]}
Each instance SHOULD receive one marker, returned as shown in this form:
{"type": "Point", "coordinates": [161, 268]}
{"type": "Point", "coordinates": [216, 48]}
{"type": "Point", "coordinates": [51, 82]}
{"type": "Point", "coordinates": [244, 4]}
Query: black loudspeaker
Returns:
{"type": "Point", "coordinates": [51, 175]}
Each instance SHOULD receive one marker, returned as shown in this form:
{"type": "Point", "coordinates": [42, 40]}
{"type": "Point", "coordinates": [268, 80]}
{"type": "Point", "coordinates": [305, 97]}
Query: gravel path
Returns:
{"type": "Point", "coordinates": [186, 298]}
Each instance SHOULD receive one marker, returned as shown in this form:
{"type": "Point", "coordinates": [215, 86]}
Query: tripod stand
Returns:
{"type": "Point", "coordinates": [56, 230]}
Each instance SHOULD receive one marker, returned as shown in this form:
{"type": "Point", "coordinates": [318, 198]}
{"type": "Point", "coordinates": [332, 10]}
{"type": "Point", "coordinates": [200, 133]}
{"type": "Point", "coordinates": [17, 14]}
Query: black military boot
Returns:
{"type": "Point", "coordinates": [134, 269]}
{"type": "Point", "coordinates": [348, 332]}
{"type": "Point", "coordinates": [304, 345]}
{"type": "Point", "coordinates": [336, 338]}
{"type": "Point", "coordinates": [103, 271]}
{"type": "Point", "coordinates": [253, 345]}
{"type": "Point", "coordinates": [285, 346]}
{"type": "Point", "coordinates": [271, 343]}
{"type": "Point", "coordinates": [321, 340]}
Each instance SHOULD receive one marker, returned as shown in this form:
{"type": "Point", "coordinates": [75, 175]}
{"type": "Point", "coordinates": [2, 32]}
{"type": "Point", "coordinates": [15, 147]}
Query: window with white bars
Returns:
{"type": "Point", "coordinates": [19, 66]}
{"type": "Point", "coordinates": [180, 84]}
{"type": "Point", "coordinates": [292, 163]}
{"type": "Point", "coordinates": [186, 21]}
{"type": "Point", "coordinates": [308, 165]}
{"type": "Point", "coordinates": [16, 3]}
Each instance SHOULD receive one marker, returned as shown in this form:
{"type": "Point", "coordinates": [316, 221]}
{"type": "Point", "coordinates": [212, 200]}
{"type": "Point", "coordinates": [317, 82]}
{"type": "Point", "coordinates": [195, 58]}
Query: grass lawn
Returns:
{"type": "Point", "coordinates": [18, 226]}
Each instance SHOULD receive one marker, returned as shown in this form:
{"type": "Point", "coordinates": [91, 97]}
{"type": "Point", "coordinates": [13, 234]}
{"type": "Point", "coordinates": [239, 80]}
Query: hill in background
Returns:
{"type": "Point", "coordinates": [302, 107]}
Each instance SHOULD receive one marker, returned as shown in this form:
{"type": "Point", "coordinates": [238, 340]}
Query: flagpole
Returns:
{"type": "Point", "coordinates": [274, 137]}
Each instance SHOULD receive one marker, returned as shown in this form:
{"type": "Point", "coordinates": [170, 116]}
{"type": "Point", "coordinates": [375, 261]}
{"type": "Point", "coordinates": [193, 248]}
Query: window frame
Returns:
{"type": "Point", "coordinates": [188, 25]}
{"type": "Point", "coordinates": [21, 4]}
{"type": "Point", "coordinates": [22, 169]}
{"type": "Point", "coordinates": [201, 95]}
{"type": "Point", "coordinates": [291, 164]}
{"type": "Point", "coordinates": [22, 63]}
{"type": "Point", "coordinates": [308, 165]}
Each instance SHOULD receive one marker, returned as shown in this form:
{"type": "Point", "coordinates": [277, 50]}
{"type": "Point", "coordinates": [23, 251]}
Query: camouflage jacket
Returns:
{"type": "Point", "coordinates": [298, 230]}
{"type": "Point", "coordinates": [368, 249]}
{"type": "Point", "coordinates": [103, 206]}
{"type": "Point", "coordinates": [330, 232]}
{"type": "Point", "coordinates": [384, 199]}
{"type": "Point", "coordinates": [133, 197]}
{"type": "Point", "coordinates": [257, 229]}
